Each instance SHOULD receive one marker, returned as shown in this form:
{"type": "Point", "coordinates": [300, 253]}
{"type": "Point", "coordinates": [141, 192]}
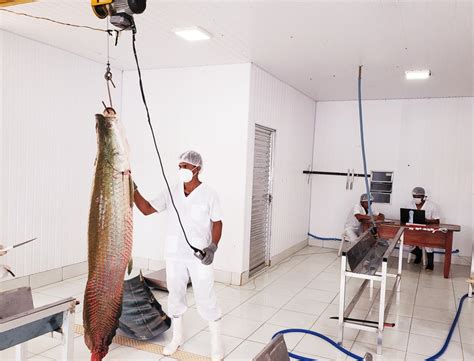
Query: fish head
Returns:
{"type": "Point", "coordinates": [111, 140]}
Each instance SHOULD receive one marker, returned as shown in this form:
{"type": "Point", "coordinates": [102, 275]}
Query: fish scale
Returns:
{"type": "Point", "coordinates": [109, 236]}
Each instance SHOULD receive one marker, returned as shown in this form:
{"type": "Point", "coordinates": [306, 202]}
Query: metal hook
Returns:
{"type": "Point", "coordinates": [108, 79]}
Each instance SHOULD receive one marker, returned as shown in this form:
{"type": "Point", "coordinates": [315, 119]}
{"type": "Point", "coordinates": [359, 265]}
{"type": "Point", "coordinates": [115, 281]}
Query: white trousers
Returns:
{"type": "Point", "coordinates": [350, 234]}
{"type": "Point", "coordinates": [202, 279]}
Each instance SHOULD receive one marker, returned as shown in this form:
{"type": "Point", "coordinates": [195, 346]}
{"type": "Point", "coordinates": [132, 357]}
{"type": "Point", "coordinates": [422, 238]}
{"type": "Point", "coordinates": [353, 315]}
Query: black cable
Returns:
{"type": "Point", "coordinates": [110, 32]}
{"type": "Point", "coordinates": [11, 272]}
{"type": "Point", "coordinates": [134, 30]}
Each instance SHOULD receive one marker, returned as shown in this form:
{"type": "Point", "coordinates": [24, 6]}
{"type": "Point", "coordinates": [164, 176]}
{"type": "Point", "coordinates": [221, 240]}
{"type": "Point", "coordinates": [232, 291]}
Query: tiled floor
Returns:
{"type": "Point", "coordinates": [302, 292]}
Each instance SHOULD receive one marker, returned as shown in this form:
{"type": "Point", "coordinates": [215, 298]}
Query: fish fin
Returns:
{"type": "Point", "coordinates": [130, 266]}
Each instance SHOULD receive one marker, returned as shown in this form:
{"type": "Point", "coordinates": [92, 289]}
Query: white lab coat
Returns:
{"type": "Point", "coordinates": [197, 212]}
{"type": "Point", "coordinates": [352, 227]}
{"type": "Point", "coordinates": [431, 212]}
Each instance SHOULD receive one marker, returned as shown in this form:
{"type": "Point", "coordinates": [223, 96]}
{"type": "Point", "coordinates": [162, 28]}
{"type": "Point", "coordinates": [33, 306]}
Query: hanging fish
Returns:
{"type": "Point", "coordinates": [110, 235]}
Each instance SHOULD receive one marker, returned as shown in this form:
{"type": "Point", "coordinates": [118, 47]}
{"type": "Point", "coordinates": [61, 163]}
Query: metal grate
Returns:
{"type": "Point", "coordinates": [381, 184]}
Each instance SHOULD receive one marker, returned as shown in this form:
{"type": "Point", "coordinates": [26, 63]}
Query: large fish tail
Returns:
{"type": "Point", "coordinates": [95, 356]}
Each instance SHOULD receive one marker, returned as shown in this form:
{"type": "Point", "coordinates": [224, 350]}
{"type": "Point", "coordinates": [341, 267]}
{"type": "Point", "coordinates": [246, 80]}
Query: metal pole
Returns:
{"type": "Point", "coordinates": [20, 351]}
{"type": "Point", "coordinates": [400, 259]}
{"type": "Point", "coordinates": [342, 298]}
{"type": "Point", "coordinates": [383, 288]}
{"type": "Point", "coordinates": [68, 335]}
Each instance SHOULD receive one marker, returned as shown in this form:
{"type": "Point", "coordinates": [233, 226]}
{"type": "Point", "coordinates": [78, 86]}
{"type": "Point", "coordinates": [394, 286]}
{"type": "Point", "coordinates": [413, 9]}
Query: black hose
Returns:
{"type": "Point", "coordinates": [134, 30]}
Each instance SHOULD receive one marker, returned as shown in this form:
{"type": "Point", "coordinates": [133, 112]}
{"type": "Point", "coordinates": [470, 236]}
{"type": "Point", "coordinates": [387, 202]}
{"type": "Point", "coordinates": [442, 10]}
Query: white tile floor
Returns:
{"type": "Point", "coordinates": [302, 292]}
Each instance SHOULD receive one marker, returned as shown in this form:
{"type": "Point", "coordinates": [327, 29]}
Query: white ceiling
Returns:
{"type": "Point", "coordinates": [315, 46]}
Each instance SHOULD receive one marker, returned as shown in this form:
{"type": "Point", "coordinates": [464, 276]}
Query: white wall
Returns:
{"type": "Point", "coordinates": [209, 109]}
{"type": "Point", "coordinates": [472, 178]}
{"type": "Point", "coordinates": [2, 50]}
{"type": "Point", "coordinates": [279, 106]}
{"type": "Point", "coordinates": [200, 108]}
{"type": "Point", "coordinates": [426, 142]}
{"type": "Point", "coordinates": [47, 151]}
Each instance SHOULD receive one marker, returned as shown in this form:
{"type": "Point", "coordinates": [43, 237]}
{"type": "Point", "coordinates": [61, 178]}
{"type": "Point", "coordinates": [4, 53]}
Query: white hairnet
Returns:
{"type": "Point", "coordinates": [191, 157]}
{"type": "Point", "coordinates": [364, 197]}
{"type": "Point", "coordinates": [418, 191]}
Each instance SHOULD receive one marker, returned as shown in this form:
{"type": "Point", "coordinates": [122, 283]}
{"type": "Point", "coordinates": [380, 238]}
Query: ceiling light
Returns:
{"type": "Point", "coordinates": [417, 74]}
{"type": "Point", "coordinates": [193, 34]}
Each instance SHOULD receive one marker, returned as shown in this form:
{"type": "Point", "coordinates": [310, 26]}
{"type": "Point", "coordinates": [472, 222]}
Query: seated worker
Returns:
{"type": "Point", "coordinates": [420, 202]}
{"type": "Point", "coordinates": [358, 214]}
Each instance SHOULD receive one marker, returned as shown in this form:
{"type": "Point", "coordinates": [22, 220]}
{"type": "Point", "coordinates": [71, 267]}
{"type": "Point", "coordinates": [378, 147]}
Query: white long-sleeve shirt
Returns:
{"type": "Point", "coordinates": [431, 210]}
{"type": "Point", "coordinates": [352, 222]}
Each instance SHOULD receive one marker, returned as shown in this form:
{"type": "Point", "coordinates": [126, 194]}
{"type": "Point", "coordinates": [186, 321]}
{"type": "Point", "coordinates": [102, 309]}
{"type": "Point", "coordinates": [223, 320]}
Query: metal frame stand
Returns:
{"type": "Point", "coordinates": [384, 304]}
{"type": "Point", "coordinates": [30, 324]}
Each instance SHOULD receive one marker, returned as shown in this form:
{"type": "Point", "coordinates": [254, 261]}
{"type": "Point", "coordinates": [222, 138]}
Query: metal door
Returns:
{"type": "Point", "coordinates": [261, 200]}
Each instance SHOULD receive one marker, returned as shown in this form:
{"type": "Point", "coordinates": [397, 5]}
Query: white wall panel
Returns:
{"type": "Point", "coordinates": [426, 142]}
{"type": "Point", "coordinates": [47, 151]}
{"type": "Point", "coordinates": [276, 105]}
{"type": "Point", "coordinates": [2, 49]}
{"type": "Point", "coordinates": [200, 108]}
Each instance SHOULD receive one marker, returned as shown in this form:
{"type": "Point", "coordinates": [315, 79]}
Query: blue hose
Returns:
{"type": "Point", "coordinates": [451, 330]}
{"type": "Point", "coordinates": [325, 338]}
{"type": "Point", "coordinates": [359, 358]}
{"type": "Point", "coordinates": [324, 238]}
{"type": "Point", "coordinates": [362, 143]}
{"type": "Point", "coordinates": [454, 251]}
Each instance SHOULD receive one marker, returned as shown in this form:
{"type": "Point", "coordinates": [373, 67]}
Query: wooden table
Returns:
{"type": "Point", "coordinates": [419, 236]}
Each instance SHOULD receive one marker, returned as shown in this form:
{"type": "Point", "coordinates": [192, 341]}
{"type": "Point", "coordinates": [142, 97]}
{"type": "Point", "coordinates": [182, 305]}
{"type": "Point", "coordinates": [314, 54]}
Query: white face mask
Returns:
{"type": "Point", "coordinates": [418, 200]}
{"type": "Point", "coordinates": [186, 175]}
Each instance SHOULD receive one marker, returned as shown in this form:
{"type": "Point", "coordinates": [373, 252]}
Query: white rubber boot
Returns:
{"type": "Point", "coordinates": [217, 347]}
{"type": "Point", "coordinates": [177, 339]}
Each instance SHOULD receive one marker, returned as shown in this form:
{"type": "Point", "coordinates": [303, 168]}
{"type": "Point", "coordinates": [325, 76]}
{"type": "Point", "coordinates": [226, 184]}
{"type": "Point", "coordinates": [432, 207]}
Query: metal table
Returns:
{"type": "Point", "coordinates": [365, 257]}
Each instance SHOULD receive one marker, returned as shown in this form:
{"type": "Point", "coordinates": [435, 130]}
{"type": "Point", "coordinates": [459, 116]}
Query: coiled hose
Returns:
{"type": "Point", "coordinates": [317, 334]}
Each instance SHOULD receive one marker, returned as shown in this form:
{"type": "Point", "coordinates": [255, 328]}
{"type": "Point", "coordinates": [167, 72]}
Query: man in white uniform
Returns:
{"type": "Point", "coordinates": [420, 202]}
{"type": "Point", "coordinates": [358, 214]}
{"type": "Point", "coordinates": [201, 216]}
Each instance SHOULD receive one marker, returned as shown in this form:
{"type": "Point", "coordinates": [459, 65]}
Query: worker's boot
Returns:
{"type": "Point", "coordinates": [418, 255]}
{"type": "Point", "coordinates": [217, 348]}
{"type": "Point", "coordinates": [429, 266]}
{"type": "Point", "coordinates": [177, 340]}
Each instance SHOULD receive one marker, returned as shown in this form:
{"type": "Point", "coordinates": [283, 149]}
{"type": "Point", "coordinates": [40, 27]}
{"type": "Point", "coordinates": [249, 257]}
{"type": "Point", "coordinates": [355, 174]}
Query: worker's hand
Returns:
{"type": "Point", "coordinates": [2, 253]}
{"type": "Point", "coordinates": [209, 254]}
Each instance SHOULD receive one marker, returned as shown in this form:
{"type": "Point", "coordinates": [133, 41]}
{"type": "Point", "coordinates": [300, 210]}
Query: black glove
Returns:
{"type": "Point", "coordinates": [209, 254]}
